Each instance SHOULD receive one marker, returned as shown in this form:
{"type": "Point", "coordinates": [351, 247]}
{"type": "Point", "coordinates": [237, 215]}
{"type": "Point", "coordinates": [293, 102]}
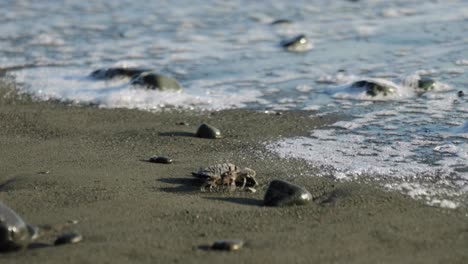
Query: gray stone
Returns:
{"type": "Point", "coordinates": [208, 131]}
{"type": "Point", "coordinates": [426, 84]}
{"type": "Point", "coordinates": [156, 81]}
{"type": "Point", "coordinates": [373, 88]}
{"type": "Point", "coordinates": [283, 193]}
{"type": "Point", "coordinates": [110, 73]}
{"type": "Point", "coordinates": [68, 238]}
{"type": "Point", "coordinates": [161, 159]}
{"type": "Point", "coordinates": [297, 44]}
{"type": "Point", "coordinates": [228, 245]}
{"type": "Point", "coordinates": [14, 232]}
{"type": "Point", "coordinates": [281, 22]}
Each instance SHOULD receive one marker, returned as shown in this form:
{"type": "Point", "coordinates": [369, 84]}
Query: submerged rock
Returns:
{"type": "Point", "coordinates": [208, 131]}
{"type": "Point", "coordinates": [374, 87]}
{"type": "Point", "coordinates": [297, 44]}
{"type": "Point", "coordinates": [281, 22]}
{"type": "Point", "coordinates": [14, 232]}
{"type": "Point", "coordinates": [110, 73]}
{"type": "Point", "coordinates": [426, 84]}
{"type": "Point", "coordinates": [283, 193]}
{"type": "Point", "coordinates": [155, 81]}
{"type": "Point", "coordinates": [68, 238]}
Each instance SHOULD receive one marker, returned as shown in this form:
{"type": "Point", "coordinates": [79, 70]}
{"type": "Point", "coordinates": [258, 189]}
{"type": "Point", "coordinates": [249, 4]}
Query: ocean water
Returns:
{"type": "Point", "coordinates": [228, 55]}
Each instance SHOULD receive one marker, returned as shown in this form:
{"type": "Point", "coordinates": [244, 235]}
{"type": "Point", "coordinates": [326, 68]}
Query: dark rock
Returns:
{"type": "Point", "coordinates": [373, 88]}
{"type": "Point", "coordinates": [283, 193]}
{"type": "Point", "coordinates": [155, 81]}
{"type": "Point", "coordinates": [14, 232]}
{"type": "Point", "coordinates": [281, 22]}
{"type": "Point", "coordinates": [460, 93]}
{"type": "Point", "coordinates": [229, 245]}
{"type": "Point", "coordinates": [105, 74]}
{"type": "Point", "coordinates": [298, 43]}
{"type": "Point", "coordinates": [161, 159]}
{"type": "Point", "coordinates": [68, 238]}
{"type": "Point", "coordinates": [426, 84]}
{"type": "Point", "coordinates": [207, 131]}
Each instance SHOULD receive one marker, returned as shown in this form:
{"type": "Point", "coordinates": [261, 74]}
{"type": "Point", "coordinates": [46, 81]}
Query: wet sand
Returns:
{"type": "Point", "coordinates": [133, 211]}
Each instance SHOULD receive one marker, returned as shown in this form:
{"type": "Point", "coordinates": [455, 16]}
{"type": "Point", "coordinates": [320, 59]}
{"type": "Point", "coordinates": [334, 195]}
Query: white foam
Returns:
{"type": "Point", "coordinates": [74, 86]}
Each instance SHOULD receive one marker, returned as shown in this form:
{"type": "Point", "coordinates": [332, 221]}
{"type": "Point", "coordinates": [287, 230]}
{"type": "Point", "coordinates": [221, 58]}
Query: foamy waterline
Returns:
{"type": "Point", "coordinates": [429, 167]}
{"type": "Point", "coordinates": [77, 87]}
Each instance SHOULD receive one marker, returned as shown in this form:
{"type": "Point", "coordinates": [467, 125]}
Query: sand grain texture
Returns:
{"type": "Point", "coordinates": [134, 211]}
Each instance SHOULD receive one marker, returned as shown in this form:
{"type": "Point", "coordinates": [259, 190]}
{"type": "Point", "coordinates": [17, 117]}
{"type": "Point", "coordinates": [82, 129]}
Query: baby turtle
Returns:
{"type": "Point", "coordinates": [226, 175]}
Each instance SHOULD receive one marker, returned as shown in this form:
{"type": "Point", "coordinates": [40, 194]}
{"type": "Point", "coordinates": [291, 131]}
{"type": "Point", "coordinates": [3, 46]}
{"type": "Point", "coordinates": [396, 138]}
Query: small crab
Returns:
{"type": "Point", "coordinates": [226, 175]}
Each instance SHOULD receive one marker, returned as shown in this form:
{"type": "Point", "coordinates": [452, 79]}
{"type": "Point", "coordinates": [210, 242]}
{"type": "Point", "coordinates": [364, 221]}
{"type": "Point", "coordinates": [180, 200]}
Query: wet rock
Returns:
{"type": "Point", "coordinates": [281, 22]}
{"type": "Point", "coordinates": [228, 245]}
{"type": "Point", "coordinates": [297, 44]}
{"type": "Point", "coordinates": [68, 238]}
{"type": "Point", "coordinates": [283, 193]}
{"type": "Point", "coordinates": [110, 73]}
{"type": "Point", "coordinates": [161, 159]}
{"type": "Point", "coordinates": [14, 232]}
{"type": "Point", "coordinates": [373, 88]}
{"type": "Point", "coordinates": [155, 81]}
{"type": "Point", "coordinates": [460, 93]}
{"type": "Point", "coordinates": [208, 131]}
{"type": "Point", "coordinates": [426, 84]}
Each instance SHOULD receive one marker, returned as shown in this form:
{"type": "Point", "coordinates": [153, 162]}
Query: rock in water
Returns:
{"type": "Point", "coordinates": [298, 44]}
{"type": "Point", "coordinates": [110, 73]}
{"type": "Point", "coordinates": [207, 131]}
{"type": "Point", "coordinates": [426, 84]}
{"type": "Point", "coordinates": [281, 22]}
{"type": "Point", "coordinates": [283, 193]}
{"type": "Point", "coordinates": [156, 81]}
{"type": "Point", "coordinates": [373, 87]}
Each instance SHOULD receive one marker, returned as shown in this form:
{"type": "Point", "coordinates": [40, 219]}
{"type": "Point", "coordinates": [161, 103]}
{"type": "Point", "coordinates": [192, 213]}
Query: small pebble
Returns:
{"type": "Point", "coordinates": [68, 238]}
{"type": "Point", "coordinates": [460, 93]}
{"type": "Point", "coordinates": [208, 131]}
{"type": "Point", "coordinates": [161, 159]}
{"type": "Point", "coordinates": [228, 245]}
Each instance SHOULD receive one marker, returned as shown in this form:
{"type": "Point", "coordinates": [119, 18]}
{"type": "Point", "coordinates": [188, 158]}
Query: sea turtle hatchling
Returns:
{"type": "Point", "coordinates": [226, 175]}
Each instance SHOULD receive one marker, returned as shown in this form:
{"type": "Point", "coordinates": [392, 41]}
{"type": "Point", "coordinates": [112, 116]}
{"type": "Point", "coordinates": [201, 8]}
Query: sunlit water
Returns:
{"type": "Point", "coordinates": [227, 55]}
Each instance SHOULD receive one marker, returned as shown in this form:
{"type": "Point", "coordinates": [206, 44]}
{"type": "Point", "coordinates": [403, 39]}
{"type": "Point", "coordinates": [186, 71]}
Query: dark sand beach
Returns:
{"type": "Point", "coordinates": [133, 211]}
